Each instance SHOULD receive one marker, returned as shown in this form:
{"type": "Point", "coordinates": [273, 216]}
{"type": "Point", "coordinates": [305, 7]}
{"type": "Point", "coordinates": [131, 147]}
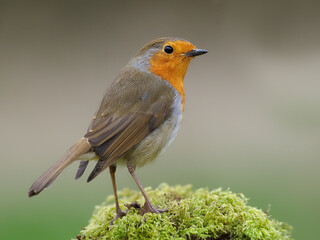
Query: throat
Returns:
{"type": "Point", "coordinates": [172, 74]}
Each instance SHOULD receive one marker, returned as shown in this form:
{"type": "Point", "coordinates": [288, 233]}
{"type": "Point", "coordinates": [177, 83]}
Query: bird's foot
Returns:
{"type": "Point", "coordinates": [120, 214]}
{"type": "Point", "coordinates": [148, 207]}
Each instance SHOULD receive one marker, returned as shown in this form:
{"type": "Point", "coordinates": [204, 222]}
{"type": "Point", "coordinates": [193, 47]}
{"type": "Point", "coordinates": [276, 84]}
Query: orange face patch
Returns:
{"type": "Point", "coordinates": [172, 67]}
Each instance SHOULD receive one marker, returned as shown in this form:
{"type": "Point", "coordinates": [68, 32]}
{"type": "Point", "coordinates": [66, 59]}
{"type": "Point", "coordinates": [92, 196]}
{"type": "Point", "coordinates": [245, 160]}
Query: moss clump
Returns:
{"type": "Point", "coordinates": [199, 214]}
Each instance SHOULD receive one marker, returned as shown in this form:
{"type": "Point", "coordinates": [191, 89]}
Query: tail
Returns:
{"type": "Point", "coordinates": [54, 171]}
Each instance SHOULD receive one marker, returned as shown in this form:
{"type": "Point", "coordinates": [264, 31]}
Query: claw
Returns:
{"type": "Point", "coordinates": [148, 207]}
{"type": "Point", "coordinates": [120, 214]}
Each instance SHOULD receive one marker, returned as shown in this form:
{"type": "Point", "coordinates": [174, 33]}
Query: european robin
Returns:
{"type": "Point", "coordinates": [138, 117]}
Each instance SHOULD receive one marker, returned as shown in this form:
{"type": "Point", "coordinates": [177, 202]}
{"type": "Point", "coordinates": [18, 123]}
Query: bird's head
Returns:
{"type": "Point", "coordinates": [168, 58]}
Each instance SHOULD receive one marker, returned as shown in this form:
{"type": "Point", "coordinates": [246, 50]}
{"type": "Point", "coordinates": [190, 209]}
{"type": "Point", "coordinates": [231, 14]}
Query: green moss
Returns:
{"type": "Point", "coordinates": [199, 214]}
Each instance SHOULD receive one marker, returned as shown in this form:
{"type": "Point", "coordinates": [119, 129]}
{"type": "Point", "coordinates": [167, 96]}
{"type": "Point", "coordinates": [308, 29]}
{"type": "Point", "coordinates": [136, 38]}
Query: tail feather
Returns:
{"type": "Point", "coordinates": [80, 148]}
{"type": "Point", "coordinates": [82, 167]}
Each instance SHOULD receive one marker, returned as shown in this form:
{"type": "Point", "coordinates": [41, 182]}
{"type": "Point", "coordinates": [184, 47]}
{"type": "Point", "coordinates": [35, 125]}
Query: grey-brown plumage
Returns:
{"type": "Point", "coordinates": [119, 125]}
{"type": "Point", "coordinates": [54, 171]}
{"type": "Point", "coordinates": [137, 119]}
{"type": "Point", "coordinates": [127, 115]}
{"type": "Point", "coordinates": [118, 128]}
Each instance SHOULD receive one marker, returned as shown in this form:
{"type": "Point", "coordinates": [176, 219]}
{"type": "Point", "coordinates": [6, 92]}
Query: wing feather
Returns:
{"type": "Point", "coordinates": [125, 119]}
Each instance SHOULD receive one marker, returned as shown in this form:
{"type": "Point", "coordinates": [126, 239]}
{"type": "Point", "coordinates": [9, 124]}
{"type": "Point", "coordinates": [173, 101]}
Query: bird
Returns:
{"type": "Point", "coordinates": [138, 117]}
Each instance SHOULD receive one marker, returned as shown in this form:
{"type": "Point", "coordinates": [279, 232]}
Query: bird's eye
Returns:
{"type": "Point", "coordinates": [168, 49]}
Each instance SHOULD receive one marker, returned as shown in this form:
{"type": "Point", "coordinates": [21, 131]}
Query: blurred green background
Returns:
{"type": "Point", "coordinates": [252, 114]}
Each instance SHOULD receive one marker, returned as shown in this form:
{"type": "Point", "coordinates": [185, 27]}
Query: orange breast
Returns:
{"type": "Point", "coordinates": [171, 68]}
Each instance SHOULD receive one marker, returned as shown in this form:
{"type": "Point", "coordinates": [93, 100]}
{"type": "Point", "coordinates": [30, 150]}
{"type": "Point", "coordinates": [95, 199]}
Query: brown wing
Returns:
{"type": "Point", "coordinates": [116, 130]}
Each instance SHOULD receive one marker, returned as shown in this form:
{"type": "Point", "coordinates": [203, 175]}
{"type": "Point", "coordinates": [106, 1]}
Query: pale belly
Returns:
{"type": "Point", "coordinates": [154, 144]}
{"type": "Point", "coordinates": [150, 147]}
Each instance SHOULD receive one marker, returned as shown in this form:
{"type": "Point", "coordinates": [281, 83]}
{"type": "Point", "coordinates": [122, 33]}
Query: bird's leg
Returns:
{"type": "Point", "coordinates": [119, 212]}
{"type": "Point", "coordinates": [147, 207]}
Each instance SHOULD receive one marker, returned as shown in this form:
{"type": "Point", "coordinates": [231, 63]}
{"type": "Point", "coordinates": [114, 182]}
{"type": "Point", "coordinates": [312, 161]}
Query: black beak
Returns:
{"type": "Point", "coordinates": [196, 52]}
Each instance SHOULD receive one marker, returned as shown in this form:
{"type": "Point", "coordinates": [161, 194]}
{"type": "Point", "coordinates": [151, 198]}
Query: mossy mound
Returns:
{"type": "Point", "coordinates": [199, 214]}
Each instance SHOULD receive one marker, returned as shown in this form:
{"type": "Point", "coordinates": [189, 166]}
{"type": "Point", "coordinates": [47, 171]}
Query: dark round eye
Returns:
{"type": "Point", "coordinates": [168, 49]}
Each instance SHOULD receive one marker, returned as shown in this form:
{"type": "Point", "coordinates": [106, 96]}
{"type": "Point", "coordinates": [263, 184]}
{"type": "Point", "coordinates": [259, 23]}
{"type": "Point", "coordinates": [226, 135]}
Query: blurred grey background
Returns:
{"type": "Point", "coordinates": [252, 114]}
